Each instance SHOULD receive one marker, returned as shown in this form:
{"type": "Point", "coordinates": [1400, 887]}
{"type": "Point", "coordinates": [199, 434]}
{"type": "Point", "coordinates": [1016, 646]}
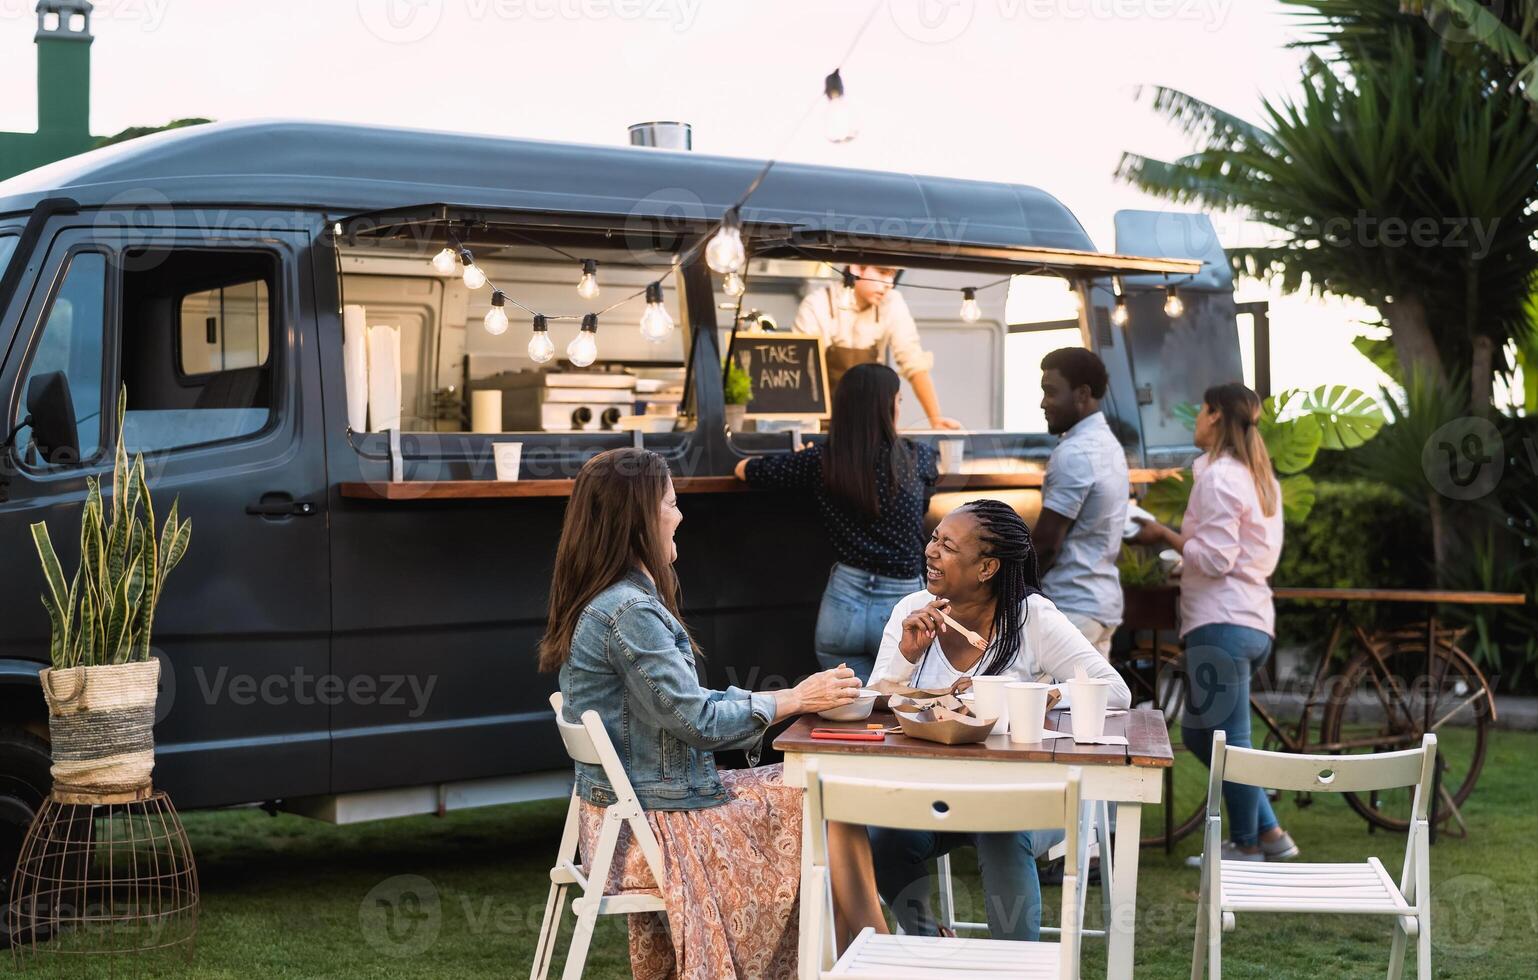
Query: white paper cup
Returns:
{"type": "Point", "coordinates": [508, 456]}
{"type": "Point", "coordinates": [1089, 698]}
{"type": "Point", "coordinates": [1027, 703]}
{"type": "Point", "coordinates": [988, 701]}
{"type": "Point", "coordinates": [952, 454]}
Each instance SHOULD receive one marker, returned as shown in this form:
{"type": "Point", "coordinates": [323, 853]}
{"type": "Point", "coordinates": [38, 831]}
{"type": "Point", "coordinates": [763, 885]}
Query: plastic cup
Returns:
{"type": "Point", "coordinates": [988, 699]}
{"type": "Point", "coordinates": [507, 456]}
{"type": "Point", "coordinates": [1027, 703]}
{"type": "Point", "coordinates": [1088, 699]}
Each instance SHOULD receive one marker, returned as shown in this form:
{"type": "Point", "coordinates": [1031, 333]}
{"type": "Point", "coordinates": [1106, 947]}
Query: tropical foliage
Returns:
{"type": "Point", "coordinates": [104, 614]}
{"type": "Point", "coordinates": [738, 387]}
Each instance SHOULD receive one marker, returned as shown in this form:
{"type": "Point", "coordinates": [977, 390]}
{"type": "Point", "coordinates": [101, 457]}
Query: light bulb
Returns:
{"type": "Point", "coordinates": [496, 317]}
{"type": "Point", "coordinates": [656, 323]}
{"type": "Point", "coordinates": [445, 262]}
{"type": "Point", "coordinates": [583, 349]}
{"type": "Point", "coordinates": [970, 311]}
{"type": "Point", "coordinates": [587, 286]}
{"type": "Point", "coordinates": [838, 120]}
{"type": "Point", "coordinates": [733, 286]}
{"type": "Point", "coordinates": [540, 347]}
{"type": "Point", "coordinates": [846, 297]}
{"type": "Point", "coordinates": [1173, 307]}
{"type": "Point", "coordinates": [1078, 300]}
{"type": "Point", "coordinates": [725, 252]}
{"type": "Point", "coordinates": [1119, 314]}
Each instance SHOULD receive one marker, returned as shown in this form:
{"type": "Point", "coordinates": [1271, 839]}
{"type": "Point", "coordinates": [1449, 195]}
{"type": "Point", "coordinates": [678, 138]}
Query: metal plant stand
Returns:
{"type": "Point", "coordinates": [104, 876]}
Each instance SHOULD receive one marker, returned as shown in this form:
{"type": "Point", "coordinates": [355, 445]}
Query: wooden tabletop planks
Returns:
{"type": "Point", "coordinates": [1148, 743]}
{"type": "Point", "coordinates": [1402, 595]}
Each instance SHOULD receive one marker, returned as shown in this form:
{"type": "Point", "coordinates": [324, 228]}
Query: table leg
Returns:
{"type": "Point", "coordinates": [809, 957]}
{"type": "Point", "coordinates": [1121, 928]}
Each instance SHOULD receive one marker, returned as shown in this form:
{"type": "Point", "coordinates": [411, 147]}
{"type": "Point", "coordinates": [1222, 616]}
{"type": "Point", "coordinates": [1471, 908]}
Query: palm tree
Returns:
{"type": "Point", "coordinates": [1399, 175]}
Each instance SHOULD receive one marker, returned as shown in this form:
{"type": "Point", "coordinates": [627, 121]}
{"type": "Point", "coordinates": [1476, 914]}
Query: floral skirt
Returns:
{"type": "Point", "coordinates": [733, 883]}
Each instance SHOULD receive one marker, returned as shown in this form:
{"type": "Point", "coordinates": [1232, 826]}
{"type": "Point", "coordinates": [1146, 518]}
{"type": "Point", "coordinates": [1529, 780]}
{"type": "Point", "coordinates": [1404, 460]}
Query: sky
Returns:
{"type": "Point", "coordinates": [1038, 92]}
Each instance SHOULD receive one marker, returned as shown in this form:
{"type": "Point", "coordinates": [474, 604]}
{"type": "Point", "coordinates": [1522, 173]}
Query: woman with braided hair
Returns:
{"type": "Point", "coordinates": [980, 568]}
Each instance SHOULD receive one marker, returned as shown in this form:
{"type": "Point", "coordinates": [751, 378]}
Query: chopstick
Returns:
{"type": "Point", "coordinates": [972, 637]}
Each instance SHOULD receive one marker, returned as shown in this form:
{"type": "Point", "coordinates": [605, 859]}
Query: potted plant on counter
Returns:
{"type": "Point", "coordinates": [738, 389]}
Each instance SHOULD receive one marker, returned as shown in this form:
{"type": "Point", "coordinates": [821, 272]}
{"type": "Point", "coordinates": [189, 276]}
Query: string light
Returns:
{"type": "Point", "coordinates": [1078, 300]}
{"type": "Point", "coordinates": [725, 252]}
{"type": "Point", "coordinates": [445, 262]}
{"type": "Point", "coordinates": [656, 323]}
{"type": "Point", "coordinates": [587, 286]}
{"type": "Point", "coordinates": [846, 297]}
{"type": "Point", "coordinates": [496, 317]}
{"type": "Point", "coordinates": [541, 349]}
{"type": "Point", "coordinates": [970, 311]}
{"type": "Point", "coordinates": [1173, 307]}
{"type": "Point", "coordinates": [1119, 314]}
{"type": "Point", "coordinates": [838, 122]}
{"type": "Point", "coordinates": [583, 349]}
{"type": "Point", "coordinates": [474, 277]}
{"type": "Point", "coordinates": [734, 285]}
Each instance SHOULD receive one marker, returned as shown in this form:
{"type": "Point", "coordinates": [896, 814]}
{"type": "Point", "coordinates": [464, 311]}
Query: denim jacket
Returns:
{"type": "Point", "coordinates": [632, 663]}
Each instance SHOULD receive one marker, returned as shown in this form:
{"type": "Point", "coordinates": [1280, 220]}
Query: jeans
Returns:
{"type": "Point", "coordinates": [855, 608]}
{"type": "Point", "coordinates": [1220, 658]}
{"type": "Point", "coordinates": [1012, 892]}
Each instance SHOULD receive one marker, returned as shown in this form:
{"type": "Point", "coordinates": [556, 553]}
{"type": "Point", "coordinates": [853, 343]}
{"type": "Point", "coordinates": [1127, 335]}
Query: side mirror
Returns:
{"type": "Point", "coordinates": [52, 409]}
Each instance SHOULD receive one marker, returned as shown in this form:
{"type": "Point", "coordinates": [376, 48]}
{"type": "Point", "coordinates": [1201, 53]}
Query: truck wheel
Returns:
{"type": "Point", "coordinates": [24, 784]}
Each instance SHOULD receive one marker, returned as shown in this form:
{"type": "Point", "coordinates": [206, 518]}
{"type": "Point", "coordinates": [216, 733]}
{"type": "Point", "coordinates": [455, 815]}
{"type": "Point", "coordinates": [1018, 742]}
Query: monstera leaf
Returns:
{"type": "Point", "coordinates": [1292, 444]}
{"type": "Point", "coordinates": [1298, 495]}
{"type": "Point", "coordinates": [1166, 498]}
{"type": "Point", "coordinates": [1187, 412]}
{"type": "Point", "coordinates": [1347, 417]}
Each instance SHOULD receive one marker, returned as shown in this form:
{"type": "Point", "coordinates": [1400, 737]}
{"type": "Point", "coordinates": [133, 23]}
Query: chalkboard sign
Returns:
{"type": "Point", "coordinates": [790, 379]}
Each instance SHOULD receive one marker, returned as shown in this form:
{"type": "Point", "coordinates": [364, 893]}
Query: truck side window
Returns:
{"type": "Point", "coordinates": [70, 349]}
{"type": "Point", "coordinates": [198, 329]}
{"type": "Point", "coordinates": [7, 249]}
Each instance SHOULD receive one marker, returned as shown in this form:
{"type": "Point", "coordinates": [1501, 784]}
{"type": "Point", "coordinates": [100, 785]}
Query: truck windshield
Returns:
{"type": "Point", "coordinates": [7, 248]}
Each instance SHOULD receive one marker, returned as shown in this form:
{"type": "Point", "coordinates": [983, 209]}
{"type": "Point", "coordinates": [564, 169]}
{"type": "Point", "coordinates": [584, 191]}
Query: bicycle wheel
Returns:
{"type": "Point", "coordinates": [1185, 790]}
{"type": "Point", "coordinates": [1382, 703]}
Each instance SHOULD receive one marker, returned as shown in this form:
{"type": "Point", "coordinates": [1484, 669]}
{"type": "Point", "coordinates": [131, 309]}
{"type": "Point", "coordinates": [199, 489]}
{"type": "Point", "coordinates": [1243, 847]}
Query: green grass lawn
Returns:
{"type": "Point", "coordinates": [463, 896]}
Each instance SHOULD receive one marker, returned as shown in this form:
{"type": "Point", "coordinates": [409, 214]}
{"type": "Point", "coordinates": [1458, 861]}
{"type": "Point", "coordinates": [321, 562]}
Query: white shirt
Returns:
{"type": "Point", "coordinates": [1086, 482]}
{"type": "Point", "coordinates": [1051, 649]}
{"type": "Point", "coordinates": [887, 325]}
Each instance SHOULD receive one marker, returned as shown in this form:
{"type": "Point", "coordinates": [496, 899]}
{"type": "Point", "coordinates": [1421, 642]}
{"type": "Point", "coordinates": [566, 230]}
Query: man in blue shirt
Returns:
{"type": "Point", "coordinates": [1083, 497]}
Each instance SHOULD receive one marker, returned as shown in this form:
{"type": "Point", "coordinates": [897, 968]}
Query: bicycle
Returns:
{"type": "Point", "coordinates": [1396, 685]}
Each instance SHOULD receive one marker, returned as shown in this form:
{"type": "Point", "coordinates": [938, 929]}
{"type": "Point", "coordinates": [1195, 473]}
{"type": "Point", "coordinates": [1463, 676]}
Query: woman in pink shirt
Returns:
{"type": "Point", "coordinates": [1229, 541]}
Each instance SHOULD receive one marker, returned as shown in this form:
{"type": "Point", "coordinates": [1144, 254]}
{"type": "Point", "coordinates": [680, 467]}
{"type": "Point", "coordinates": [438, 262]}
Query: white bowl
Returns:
{"type": "Point", "coordinates": [856, 710]}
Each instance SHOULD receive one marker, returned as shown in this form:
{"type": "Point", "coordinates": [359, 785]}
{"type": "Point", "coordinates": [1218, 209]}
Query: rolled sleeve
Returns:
{"type": "Point", "coordinates": [1212, 541]}
{"type": "Point", "coordinates": [891, 665]}
{"type": "Point", "coordinates": [659, 675]}
{"type": "Point", "coordinates": [903, 334]}
{"type": "Point", "coordinates": [1069, 479]}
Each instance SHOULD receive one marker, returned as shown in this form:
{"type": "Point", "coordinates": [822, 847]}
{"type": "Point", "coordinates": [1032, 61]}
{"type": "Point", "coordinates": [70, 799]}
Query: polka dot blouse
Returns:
{"type": "Point", "coordinates": [893, 544]}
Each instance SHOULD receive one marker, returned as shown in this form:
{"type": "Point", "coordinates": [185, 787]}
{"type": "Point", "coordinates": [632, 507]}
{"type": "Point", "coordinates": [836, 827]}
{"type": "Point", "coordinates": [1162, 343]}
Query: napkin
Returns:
{"type": "Point", "coordinates": [355, 365]}
{"type": "Point", "coordinates": [384, 378]}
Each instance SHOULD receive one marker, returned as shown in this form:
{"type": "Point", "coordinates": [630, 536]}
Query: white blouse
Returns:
{"type": "Point", "coordinates": [1051, 648]}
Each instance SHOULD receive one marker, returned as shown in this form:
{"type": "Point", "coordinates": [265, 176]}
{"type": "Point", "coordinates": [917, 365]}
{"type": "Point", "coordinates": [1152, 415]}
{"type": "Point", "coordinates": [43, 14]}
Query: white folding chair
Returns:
{"type": "Point", "coordinates": [589, 743]}
{"type": "Point", "coordinates": [1098, 838]}
{"type": "Point", "coordinates": [941, 808]}
{"type": "Point", "coordinates": [1228, 887]}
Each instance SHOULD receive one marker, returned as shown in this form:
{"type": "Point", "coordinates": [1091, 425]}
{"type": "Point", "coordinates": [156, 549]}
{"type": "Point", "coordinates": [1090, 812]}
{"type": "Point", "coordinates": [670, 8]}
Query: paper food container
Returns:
{"type": "Point", "coordinates": [941, 724]}
{"type": "Point", "coordinates": [896, 694]}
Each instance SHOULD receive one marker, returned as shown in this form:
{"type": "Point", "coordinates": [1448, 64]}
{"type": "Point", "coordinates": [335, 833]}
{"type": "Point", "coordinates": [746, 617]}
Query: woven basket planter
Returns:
{"type": "Point", "coordinates": [101, 721]}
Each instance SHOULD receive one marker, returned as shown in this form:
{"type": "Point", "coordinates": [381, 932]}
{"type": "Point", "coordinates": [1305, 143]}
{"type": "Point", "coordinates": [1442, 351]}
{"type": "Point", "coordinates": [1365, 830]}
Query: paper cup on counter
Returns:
{"type": "Point", "coordinates": [988, 701]}
{"type": "Point", "coordinates": [952, 454]}
{"type": "Point", "coordinates": [508, 457]}
{"type": "Point", "coordinates": [1089, 697]}
{"type": "Point", "coordinates": [1027, 702]}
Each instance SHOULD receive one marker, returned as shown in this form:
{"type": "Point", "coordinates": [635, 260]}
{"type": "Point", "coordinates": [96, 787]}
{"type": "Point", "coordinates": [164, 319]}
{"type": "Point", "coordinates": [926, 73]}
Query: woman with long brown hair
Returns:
{"type": "Point", "coordinates": [1229, 541]}
{"type": "Point", "coordinates": [731, 841]}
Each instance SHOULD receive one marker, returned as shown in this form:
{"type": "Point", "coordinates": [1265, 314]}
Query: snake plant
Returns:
{"type": "Point", "coordinates": [105, 613]}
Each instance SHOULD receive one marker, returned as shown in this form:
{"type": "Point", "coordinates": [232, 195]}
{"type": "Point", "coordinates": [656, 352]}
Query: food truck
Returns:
{"type": "Point", "coordinates": [351, 634]}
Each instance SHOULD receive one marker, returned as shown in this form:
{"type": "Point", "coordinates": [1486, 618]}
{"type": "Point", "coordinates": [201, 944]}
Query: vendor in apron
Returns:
{"type": "Point", "coordinates": [879, 321]}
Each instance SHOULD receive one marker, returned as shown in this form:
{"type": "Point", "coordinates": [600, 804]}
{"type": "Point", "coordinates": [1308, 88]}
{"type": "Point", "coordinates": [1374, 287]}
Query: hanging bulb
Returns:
{"type": "Point", "coordinates": [725, 252]}
{"type": "Point", "coordinates": [445, 262]}
{"type": "Point", "coordinates": [656, 323]}
{"type": "Point", "coordinates": [583, 350]}
{"type": "Point", "coordinates": [496, 317]}
{"type": "Point", "coordinates": [587, 286]}
{"type": "Point", "coordinates": [1078, 299]}
{"type": "Point", "coordinates": [474, 277]}
{"type": "Point", "coordinates": [838, 123]}
{"type": "Point", "coordinates": [1119, 314]}
{"type": "Point", "coordinates": [846, 297]}
{"type": "Point", "coordinates": [1173, 307]}
{"type": "Point", "coordinates": [540, 347]}
{"type": "Point", "coordinates": [970, 311]}
{"type": "Point", "coordinates": [734, 286]}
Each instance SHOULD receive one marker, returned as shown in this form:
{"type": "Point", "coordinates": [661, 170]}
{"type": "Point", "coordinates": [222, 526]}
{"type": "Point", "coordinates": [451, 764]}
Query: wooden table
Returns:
{"type": "Point", "coordinates": [1126, 776]}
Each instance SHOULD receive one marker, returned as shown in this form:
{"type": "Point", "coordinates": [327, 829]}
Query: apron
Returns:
{"type": "Point", "coordinates": [841, 359]}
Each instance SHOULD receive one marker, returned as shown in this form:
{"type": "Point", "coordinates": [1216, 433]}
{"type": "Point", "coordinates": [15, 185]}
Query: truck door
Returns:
{"type": "Point", "coordinates": [215, 343]}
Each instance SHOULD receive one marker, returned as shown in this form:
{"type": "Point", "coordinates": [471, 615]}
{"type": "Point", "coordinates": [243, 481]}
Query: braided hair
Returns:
{"type": "Point", "coordinates": [1006, 537]}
